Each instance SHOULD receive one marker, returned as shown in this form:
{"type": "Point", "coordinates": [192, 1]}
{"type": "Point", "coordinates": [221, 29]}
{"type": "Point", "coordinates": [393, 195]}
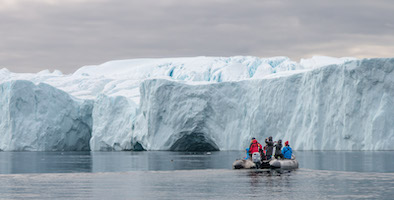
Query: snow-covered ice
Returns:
{"type": "Point", "coordinates": [211, 103]}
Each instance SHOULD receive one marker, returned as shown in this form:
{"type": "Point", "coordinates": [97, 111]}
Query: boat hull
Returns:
{"type": "Point", "coordinates": [284, 164]}
{"type": "Point", "coordinates": [243, 164]}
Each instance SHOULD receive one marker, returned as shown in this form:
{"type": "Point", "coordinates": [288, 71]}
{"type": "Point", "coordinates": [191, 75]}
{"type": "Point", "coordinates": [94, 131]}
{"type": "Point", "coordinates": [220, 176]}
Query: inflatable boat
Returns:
{"type": "Point", "coordinates": [266, 164]}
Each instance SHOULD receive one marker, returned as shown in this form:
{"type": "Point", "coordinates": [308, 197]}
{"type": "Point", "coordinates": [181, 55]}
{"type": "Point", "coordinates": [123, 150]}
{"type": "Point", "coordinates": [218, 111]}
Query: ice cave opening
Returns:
{"type": "Point", "coordinates": [194, 141]}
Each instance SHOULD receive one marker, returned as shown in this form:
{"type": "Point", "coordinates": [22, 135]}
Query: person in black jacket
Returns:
{"type": "Point", "coordinates": [269, 147]}
{"type": "Point", "coordinates": [278, 149]}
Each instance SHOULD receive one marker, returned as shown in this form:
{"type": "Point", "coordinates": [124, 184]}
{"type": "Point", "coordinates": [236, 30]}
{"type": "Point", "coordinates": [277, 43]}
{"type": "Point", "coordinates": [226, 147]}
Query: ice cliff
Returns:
{"type": "Point", "coordinates": [202, 103]}
{"type": "Point", "coordinates": [42, 118]}
{"type": "Point", "coordinates": [113, 122]}
{"type": "Point", "coordinates": [346, 107]}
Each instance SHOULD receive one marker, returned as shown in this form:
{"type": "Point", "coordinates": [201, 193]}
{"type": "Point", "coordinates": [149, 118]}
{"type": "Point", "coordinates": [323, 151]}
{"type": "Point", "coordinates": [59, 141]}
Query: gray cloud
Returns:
{"type": "Point", "coordinates": [65, 35]}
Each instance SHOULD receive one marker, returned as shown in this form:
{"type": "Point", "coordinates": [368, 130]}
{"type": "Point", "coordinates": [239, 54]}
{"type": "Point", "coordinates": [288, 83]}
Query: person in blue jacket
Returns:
{"type": "Point", "coordinates": [247, 154]}
{"type": "Point", "coordinates": [287, 151]}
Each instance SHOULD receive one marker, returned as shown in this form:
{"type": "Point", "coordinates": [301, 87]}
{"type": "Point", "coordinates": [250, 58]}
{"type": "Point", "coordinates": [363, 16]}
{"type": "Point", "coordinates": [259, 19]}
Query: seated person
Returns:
{"type": "Point", "coordinates": [287, 151]}
{"type": "Point", "coordinates": [247, 154]}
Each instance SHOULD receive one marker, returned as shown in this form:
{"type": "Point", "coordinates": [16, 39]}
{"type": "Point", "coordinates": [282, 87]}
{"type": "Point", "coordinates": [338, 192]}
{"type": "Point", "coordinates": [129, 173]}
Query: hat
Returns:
{"type": "Point", "coordinates": [286, 143]}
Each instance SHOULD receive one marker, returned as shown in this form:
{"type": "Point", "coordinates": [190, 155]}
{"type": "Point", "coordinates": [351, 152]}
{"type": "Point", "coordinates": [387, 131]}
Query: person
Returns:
{"type": "Point", "coordinates": [254, 147]}
{"type": "Point", "coordinates": [287, 151]}
{"type": "Point", "coordinates": [270, 147]}
{"type": "Point", "coordinates": [278, 149]}
{"type": "Point", "coordinates": [247, 154]}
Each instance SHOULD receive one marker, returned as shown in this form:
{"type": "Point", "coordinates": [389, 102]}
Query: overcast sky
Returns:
{"type": "Point", "coordinates": [68, 34]}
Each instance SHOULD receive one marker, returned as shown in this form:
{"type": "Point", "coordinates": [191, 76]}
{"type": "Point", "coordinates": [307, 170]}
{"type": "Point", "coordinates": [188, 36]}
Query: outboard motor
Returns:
{"type": "Point", "coordinates": [256, 158]}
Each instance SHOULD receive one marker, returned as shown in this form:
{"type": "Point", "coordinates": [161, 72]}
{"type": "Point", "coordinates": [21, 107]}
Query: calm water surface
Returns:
{"type": "Point", "coordinates": [72, 162]}
{"type": "Point", "coordinates": [182, 175]}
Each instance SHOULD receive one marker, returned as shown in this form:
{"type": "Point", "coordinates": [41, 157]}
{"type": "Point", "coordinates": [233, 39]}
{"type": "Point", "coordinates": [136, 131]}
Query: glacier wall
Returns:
{"type": "Point", "coordinates": [337, 107]}
{"type": "Point", "coordinates": [201, 103]}
{"type": "Point", "coordinates": [113, 121]}
{"type": "Point", "coordinates": [42, 118]}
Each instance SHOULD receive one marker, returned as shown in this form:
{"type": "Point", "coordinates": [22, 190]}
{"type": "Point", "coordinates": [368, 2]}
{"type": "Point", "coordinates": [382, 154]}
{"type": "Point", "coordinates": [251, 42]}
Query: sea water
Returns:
{"type": "Point", "coordinates": [188, 175]}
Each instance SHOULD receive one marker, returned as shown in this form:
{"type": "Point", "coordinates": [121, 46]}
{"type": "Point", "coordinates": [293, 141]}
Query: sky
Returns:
{"type": "Point", "coordinates": [67, 34]}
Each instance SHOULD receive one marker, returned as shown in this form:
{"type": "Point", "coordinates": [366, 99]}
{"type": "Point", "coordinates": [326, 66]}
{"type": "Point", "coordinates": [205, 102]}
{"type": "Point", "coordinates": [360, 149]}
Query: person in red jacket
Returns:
{"type": "Point", "coordinates": [254, 147]}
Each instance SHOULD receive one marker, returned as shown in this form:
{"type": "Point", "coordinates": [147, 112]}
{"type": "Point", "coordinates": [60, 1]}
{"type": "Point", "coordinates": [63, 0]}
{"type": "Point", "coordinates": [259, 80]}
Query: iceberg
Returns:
{"type": "Point", "coordinates": [202, 104]}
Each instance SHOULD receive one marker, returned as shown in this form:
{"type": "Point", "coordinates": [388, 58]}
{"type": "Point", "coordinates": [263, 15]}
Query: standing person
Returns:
{"type": "Point", "coordinates": [270, 147]}
{"type": "Point", "coordinates": [287, 151]}
{"type": "Point", "coordinates": [278, 149]}
{"type": "Point", "coordinates": [254, 147]}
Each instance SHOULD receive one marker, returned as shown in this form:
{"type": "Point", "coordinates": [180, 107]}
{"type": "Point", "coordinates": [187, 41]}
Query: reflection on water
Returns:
{"type": "Point", "coordinates": [70, 162]}
{"type": "Point", "coordinates": [45, 162]}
